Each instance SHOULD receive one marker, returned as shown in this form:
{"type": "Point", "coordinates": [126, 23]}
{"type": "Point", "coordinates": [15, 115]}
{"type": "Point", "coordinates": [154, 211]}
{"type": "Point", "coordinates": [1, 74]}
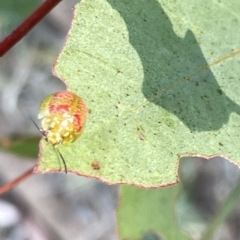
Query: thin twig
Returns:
{"type": "Point", "coordinates": [17, 34]}
{"type": "Point", "coordinates": [16, 181]}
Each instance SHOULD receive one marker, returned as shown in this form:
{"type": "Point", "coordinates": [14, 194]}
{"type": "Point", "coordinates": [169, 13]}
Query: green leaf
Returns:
{"type": "Point", "coordinates": [161, 81]}
{"type": "Point", "coordinates": [20, 7]}
{"type": "Point", "coordinates": [26, 147]}
{"type": "Point", "coordinates": [143, 211]}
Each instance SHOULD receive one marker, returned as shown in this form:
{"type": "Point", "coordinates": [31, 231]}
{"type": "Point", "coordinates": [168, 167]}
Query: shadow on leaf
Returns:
{"type": "Point", "coordinates": [176, 74]}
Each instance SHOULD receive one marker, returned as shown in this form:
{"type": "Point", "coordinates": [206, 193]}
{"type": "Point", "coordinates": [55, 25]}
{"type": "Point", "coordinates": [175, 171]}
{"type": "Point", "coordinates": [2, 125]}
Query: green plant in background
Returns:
{"type": "Point", "coordinates": [27, 147]}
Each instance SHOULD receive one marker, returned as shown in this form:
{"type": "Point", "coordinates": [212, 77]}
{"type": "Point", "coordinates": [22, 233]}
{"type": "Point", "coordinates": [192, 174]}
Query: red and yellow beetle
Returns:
{"type": "Point", "coordinates": [63, 117]}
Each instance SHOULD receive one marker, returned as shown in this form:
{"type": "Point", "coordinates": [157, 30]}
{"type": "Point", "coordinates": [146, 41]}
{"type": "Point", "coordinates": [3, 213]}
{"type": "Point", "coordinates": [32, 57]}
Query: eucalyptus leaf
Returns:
{"type": "Point", "coordinates": [160, 80]}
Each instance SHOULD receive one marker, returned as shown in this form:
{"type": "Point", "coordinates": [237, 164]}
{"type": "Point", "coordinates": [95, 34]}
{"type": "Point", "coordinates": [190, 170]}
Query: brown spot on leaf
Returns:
{"type": "Point", "coordinates": [95, 165]}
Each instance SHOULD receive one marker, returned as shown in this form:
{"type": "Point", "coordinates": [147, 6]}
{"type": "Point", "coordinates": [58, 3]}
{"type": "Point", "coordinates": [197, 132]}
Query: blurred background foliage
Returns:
{"type": "Point", "coordinates": [12, 12]}
{"type": "Point", "coordinates": [59, 206]}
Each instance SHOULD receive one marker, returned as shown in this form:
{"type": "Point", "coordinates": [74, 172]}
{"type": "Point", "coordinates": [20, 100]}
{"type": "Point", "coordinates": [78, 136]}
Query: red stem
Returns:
{"type": "Point", "coordinates": [16, 181]}
{"type": "Point", "coordinates": [27, 25]}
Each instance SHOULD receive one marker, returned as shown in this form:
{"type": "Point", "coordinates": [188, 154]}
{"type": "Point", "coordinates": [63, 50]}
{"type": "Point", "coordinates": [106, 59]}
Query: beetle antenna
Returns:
{"type": "Point", "coordinates": [39, 129]}
{"type": "Point", "coordinates": [44, 134]}
{"type": "Point", "coordinates": [62, 158]}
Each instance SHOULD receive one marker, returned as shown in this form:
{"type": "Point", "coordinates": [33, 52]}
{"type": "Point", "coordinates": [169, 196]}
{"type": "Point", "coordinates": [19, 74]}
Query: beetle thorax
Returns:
{"type": "Point", "coordinates": [59, 128]}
